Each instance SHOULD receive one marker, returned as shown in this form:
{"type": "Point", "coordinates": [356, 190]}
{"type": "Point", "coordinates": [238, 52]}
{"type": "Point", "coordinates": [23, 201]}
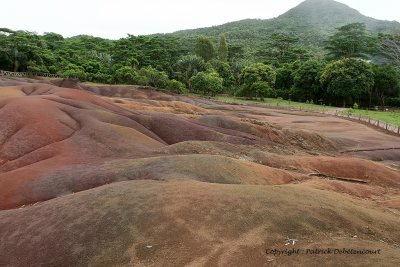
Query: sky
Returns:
{"type": "Point", "coordinates": [115, 19]}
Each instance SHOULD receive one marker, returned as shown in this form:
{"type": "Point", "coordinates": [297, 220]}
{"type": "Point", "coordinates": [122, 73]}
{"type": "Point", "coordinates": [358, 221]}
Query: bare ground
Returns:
{"type": "Point", "coordinates": [123, 176]}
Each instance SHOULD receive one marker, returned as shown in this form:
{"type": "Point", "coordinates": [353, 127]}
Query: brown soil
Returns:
{"type": "Point", "coordinates": [126, 176]}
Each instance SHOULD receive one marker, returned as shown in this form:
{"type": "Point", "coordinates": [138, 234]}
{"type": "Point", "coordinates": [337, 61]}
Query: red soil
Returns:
{"type": "Point", "coordinates": [227, 181]}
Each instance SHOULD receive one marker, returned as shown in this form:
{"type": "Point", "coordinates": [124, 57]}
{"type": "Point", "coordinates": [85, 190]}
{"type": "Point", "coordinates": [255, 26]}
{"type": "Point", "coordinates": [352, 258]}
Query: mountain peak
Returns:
{"type": "Point", "coordinates": [330, 11]}
{"type": "Point", "coordinates": [312, 21]}
{"type": "Point", "coordinates": [326, 15]}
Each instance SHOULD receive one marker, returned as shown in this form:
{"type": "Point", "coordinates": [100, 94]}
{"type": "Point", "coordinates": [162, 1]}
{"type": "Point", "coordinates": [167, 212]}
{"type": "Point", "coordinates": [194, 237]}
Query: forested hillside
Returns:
{"type": "Point", "coordinates": [312, 22]}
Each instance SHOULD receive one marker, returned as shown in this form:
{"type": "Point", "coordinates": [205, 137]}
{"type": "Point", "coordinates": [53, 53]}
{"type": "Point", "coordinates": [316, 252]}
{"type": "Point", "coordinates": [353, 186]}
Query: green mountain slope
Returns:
{"type": "Point", "coordinates": [312, 21]}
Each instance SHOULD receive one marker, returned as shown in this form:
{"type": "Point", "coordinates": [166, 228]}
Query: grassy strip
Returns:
{"type": "Point", "coordinates": [392, 117]}
{"type": "Point", "coordinates": [275, 102]}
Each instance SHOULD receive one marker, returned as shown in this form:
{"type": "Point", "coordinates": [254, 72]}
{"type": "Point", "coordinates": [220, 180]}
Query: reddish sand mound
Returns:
{"type": "Point", "coordinates": [149, 223]}
{"type": "Point", "coordinates": [367, 171]}
{"type": "Point", "coordinates": [48, 127]}
{"type": "Point", "coordinates": [160, 106]}
{"type": "Point", "coordinates": [133, 92]}
{"type": "Point", "coordinates": [357, 170]}
{"type": "Point", "coordinates": [301, 139]}
{"type": "Point", "coordinates": [154, 179]}
{"type": "Point", "coordinates": [59, 181]}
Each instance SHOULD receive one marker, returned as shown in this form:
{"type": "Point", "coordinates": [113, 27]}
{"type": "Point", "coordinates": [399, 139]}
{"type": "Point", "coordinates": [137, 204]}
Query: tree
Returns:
{"type": "Point", "coordinates": [6, 30]}
{"type": "Point", "coordinates": [281, 48]}
{"type": "Point", "coordinates": [189, 65]}
{"type": "Point", "coordinates": [74, 71]}
{"type": "Point", "coordinates": [235, 53]}
{"type": "Point", "coordinates": [143, 51]}
{"type": "Point", "coordinates": [91, 66]}
{"type": "Point", "coordinates": [262, 89]}
{"type": "Point", "coordinates": [176, 86]}
{"type": "Point", "coordinates": [389, 47]}
{"type": "Point", "coordinates": [207, 82]}
{"type": "Point", "coordinates": [126, 75]}
{"type": "Point", "coordinates": [223, 48]}
{"type": "Point", "coordinates": [387, 83]}
{"type": "Point", "coordinates": [154, 77]}
{"type": "Point", "coordinates": [54, 40]}
{"type": "Point", "coordinates": [19, 48]}
{"type": "Point", "coordinates": [306, 82]}
{"type": "Point", "coordinates": [348, 78]}
{"type": "Point", "coordinates": [224, 70]}
{"type": "Point", "coordinates": [204, 48]}
{"type": "Point", "coordinates": [257, 80]}
{"type": "Point", "coordinates": [284, 79]}
{"type": "Point", "coordinates": [350, 41]}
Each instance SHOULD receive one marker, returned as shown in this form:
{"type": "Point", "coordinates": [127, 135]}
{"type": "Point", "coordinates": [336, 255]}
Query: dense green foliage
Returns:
{"type": "Point", "coordinates": [350, 41]}
{"type": "Point", "coordinates": [281, 48]}
{"type": "Point", "coordinates": [224, 70]}
{"type": "Point", "coordinates": [207, 83]}
{"type": "Point", "coordinates": [306, 81]}
{"type": "Point", "coordinates": [153, 77]}
{"type": "Point", "coordinates": [223, 49]}
{"type": "Point", "coordinates": [205, 48]}
{"type": "Point", "coordinates": [311, 53]}
{"type": "Point", "coordinates": [348, 78]}
{"type": "Point", "coordinates": [187, 66]}
{"type": "Point", "coordinates": [387, 83]}
{"type": "Point", "coordinates": [176, 86]}
{"type": "Point", "coordinates": [258, 81]}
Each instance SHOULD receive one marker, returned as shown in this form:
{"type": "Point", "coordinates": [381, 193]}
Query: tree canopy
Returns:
{"type": "Point", "coordinates": [223, 49]}
{"type": "Point", "coordinates": [351, 41]}
{"type": "Point", "coordinates": [306, 81]}
{"type": "Point", "coordinates": [270, 63]}
{"type": "Point", "coordinates": [348, 78]}
{"type": "Point", "coordinates": [258, 80]}
{"type": "Point", "coordinates": [207, 82]}
{"type": "Point", "coordinates": [205, 48]}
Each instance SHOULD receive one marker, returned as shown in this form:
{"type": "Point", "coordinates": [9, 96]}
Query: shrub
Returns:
{"type": "Point", "coordinates": [262, 89]}
{"type": "Point", "coordinates": [258, 80]}
{"type": "Point", "coordinates": [176, 86]}
{"type": "Point", "coordinates": [73, 71]}
{"type": "Point", "coordinates": [79, 74]}
{"type": "Point", "coordinates": [393, 102]}
{"type": "Point", "coordinates": [207, 83]}
{"type": "Point", "coordinates": [126, 75]}
{"type": "Point", "coordinates": [152, 77]}
{"type": "Point", "coordinates": [103, 78]}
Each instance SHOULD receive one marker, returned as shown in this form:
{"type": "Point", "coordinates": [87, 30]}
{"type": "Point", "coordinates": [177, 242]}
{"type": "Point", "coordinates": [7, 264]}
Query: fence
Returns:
{"type": "Point", "coordinates": [362, 119]}
{"type": "Point", "coordinates": [277, 105]}
{"type": "Point", "coordinates": [367, 120]}
{"type": "Point", "coordinates": [27, 74]}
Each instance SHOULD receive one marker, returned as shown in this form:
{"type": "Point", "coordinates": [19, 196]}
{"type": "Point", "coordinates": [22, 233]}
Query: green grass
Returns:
{"type": "Point", "coordinates": [392, 117]}
{"type": "Point", "coordinates": [274, 102]}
